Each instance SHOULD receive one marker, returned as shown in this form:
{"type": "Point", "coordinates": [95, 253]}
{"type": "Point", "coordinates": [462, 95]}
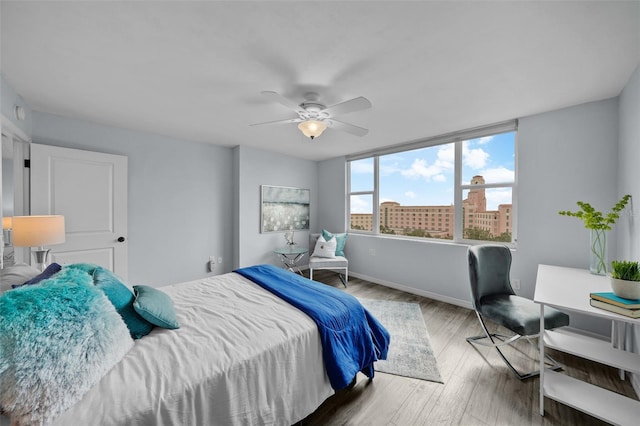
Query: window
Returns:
{"type": "Point", "coordinates": [465, 180]}
{"type": "Point", "coordinates": [362, 193]}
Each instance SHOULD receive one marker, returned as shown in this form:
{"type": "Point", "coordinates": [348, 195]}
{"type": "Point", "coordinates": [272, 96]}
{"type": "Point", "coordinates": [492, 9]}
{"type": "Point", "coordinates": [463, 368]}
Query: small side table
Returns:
{"type": "Point", "coordinates": [290, 256]}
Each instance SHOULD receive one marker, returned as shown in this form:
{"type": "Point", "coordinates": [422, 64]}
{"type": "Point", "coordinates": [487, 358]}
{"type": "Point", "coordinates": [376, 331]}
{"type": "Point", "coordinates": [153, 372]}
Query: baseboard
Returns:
{"type": "Point", "coordinates": [418, 292]}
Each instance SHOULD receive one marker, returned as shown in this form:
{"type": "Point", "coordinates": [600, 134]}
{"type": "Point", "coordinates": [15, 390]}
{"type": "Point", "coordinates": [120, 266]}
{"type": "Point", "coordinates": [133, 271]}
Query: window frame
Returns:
{"type": "Point", "coordinates": [457, 139]}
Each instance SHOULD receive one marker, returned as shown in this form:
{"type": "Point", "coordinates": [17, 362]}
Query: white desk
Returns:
{"type": "Point", "coordinates": [568, 289]}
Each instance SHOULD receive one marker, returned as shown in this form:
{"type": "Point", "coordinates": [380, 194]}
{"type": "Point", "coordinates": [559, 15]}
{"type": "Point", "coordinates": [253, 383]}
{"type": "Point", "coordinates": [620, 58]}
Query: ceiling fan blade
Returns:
{"type": "Point", "coordinates": [277, 97]}
{"type": "Point", "coordinates": [346, 127]}
{"type": "Point", "coordinates": [355, 104]}
{"type": "Point", "coordinates": [268, 123]}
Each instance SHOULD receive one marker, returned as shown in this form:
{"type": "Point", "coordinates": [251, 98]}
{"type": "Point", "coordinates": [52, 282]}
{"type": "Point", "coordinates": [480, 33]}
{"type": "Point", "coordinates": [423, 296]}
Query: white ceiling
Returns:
{"type": "Point", "coordinates": [195, 70]}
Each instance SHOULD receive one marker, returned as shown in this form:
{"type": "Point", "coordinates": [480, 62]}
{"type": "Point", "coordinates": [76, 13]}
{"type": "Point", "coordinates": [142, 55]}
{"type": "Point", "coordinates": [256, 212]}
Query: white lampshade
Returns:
{"type": "Point", "coordinates": [312, 128]}
{"type": "Point", "coordinates": [37, 231]}
{"type": "Point", "coordinates": [6, 222]}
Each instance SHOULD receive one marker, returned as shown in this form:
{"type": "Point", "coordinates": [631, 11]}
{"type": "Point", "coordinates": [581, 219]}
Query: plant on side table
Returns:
{"type": "Point", "coordinates": [598, 223]}
{"type": "Point", "coordinates": [625, 279]}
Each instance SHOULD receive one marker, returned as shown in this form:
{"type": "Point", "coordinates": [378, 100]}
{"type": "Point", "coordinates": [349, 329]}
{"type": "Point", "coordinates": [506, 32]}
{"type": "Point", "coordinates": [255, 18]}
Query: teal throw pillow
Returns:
{"type": "Point", "coordinates": [341, 240]}
{"type": "Point", "coordinates": [89, 268]}
{"type": "Point", "coordinates": [122, 298]}
{"type": "Point", "coordinates": [155, 306]}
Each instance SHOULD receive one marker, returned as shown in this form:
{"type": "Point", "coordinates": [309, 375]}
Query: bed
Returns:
{"type": "Point", "coordinates": [242, 356]}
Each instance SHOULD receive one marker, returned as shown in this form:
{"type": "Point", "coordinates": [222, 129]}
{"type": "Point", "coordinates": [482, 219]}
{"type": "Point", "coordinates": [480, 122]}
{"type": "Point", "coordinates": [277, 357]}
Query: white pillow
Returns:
{"type": "Point", "coordinates": [16, 274]}
{"type": "Point", "coordinates": [325, 248]}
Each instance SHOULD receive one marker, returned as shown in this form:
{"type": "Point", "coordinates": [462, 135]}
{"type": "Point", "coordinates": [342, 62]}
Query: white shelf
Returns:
{"type": "Point", "coordinates": [592, 349]}
{"type": "Point", "coordinates": [593, 400]}
{"type": "Point", "coordinates": [568, 289]}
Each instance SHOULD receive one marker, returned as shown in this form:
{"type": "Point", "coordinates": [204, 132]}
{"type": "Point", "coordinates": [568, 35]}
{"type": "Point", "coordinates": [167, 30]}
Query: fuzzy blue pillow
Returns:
{"type": "Point", "coordinates": [122, 298]}
{"type": "Point", "coordinates": [341, 240]}
{"type": "Point", "coordinates": [155, 306]}
{"type": "Point", "coordinates": [58, 338]}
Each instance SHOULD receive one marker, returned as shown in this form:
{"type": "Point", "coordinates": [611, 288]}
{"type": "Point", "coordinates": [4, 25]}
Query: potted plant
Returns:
{"type": "Point", "coordinates": [625, 279]}
{"type": "Point", "coordinates": [598, 223]}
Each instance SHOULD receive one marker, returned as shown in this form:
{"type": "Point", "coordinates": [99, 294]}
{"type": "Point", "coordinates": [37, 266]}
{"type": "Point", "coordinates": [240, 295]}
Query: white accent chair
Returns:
{"type": "Point", "coordinates": [338, 264]}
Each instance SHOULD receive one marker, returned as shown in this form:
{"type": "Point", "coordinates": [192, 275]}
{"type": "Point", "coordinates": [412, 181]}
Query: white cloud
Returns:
{"type": "Point", "coordinates": [361, 204]}
{"type": "Point", "coordinates": [446, 154]}
{"type": "Point", "coordinates": [485, 139]}
{"type": "Point", "coordinates": [498, 174]}
{"type": "Point", "coordinates": [410, 194]}
{"type": "Point", "coordinates": [498, 196]}
{"type": "Point", "coordinates": [421, 169]}
{"type": "Point", "coordinates": [474, 158]}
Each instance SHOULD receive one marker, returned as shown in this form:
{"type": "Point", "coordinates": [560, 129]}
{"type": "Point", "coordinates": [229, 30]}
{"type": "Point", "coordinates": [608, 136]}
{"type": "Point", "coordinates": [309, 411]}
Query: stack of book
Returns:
{"type": "Point", "coordinates": [610, 302]}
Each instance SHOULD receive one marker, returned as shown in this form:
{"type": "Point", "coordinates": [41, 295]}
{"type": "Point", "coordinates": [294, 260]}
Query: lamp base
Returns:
{"type": "Point", "coordinates": [41, 255]}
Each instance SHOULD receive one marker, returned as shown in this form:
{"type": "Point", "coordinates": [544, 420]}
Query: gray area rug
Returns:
{"type": "Point", "coordinates": [410, 352]}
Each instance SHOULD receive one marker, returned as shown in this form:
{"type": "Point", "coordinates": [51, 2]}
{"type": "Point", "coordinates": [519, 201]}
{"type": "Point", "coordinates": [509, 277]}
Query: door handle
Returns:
{"type": "Point", "coordinates": [121, 239]}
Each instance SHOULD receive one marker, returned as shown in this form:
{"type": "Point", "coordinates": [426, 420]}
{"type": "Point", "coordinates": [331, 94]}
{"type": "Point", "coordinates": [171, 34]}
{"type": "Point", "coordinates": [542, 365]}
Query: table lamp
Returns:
{"type": "Point", "coordinates": [6, 229]}
{"type": "Point", "coordinates": [38, 231]}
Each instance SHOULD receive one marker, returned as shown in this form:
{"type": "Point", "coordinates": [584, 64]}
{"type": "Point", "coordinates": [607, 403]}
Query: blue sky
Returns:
{"type": "Point", "coordinates": [426, 176]}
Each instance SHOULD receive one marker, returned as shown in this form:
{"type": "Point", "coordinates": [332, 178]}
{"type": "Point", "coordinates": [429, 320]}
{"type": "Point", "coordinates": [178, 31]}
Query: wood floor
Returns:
{"type": "Point", "coordinates": [478, 388]}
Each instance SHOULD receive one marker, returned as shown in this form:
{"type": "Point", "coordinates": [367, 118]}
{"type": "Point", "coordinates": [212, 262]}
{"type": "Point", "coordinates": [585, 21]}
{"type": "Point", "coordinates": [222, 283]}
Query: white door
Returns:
{"type": "Point", "coordinates": [90, 190]}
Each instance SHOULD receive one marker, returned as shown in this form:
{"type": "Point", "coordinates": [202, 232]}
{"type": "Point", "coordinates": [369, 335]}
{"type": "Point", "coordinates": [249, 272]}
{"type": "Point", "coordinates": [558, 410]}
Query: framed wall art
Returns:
{"type": "Point", "coordinates": [283, 208]}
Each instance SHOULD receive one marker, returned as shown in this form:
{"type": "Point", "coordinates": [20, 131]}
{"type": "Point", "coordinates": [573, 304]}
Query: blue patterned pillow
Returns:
{"type": "Point", "coordinates": [122, 298]}
{"type": "Point", "coordinates": [155, 306]}
{"type": "Point", "coordinates": [49, 271]}
{"type": "Point", "coordinates": [341, 240]}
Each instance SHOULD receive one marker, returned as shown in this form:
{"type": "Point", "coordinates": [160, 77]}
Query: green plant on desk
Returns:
{"type": "Point", "coordinates": [625, 270]}
{"type": "Point", "coordinates": [625, 279]}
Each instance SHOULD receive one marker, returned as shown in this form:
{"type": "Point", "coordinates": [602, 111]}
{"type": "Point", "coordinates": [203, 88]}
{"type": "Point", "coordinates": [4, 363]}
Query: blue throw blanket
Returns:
{"type": "Point", "coordinates": [352, 339]}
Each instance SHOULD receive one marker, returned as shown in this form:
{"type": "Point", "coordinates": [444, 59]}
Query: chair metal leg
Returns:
{"type": "Point", "coordinates": [344, 279]}
{"type": "Point", "coordinates": [506, 340]}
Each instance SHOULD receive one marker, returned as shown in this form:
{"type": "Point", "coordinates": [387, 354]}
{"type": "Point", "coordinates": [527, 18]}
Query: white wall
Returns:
{"type": "Point", "coordinates": [563, 156]}
{"type": "Point", "coordinates": [628, 171]}
{"type": "Point", "coordinates": [11, 99]}
{"type": "Point", "coordinates": [628, 247]}
{"type": "Point", "coordinates": [331, 196]}
{"type": "Point", "coordinates": [180, 197]}
{"type": "Point", "coordinates": [257, 167]}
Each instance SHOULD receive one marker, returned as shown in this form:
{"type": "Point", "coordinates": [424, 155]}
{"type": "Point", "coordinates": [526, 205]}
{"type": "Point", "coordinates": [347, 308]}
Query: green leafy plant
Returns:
{"type": "Point", "coordinates": [625, 270]}
{"type": "Point", "coordinates": [597, 220]}
{"type": "Point", "coordinates": [599, 223]}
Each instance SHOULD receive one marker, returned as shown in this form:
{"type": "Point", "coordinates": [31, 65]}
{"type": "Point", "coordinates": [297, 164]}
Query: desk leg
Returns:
{"type": "Point", "coordinates": [541, 356]}
{"type": "Point", "coordinates": [618, 336]}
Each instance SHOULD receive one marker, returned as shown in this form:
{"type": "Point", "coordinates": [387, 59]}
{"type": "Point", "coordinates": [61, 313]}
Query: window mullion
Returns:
{"type": "Point", "coordinates": [376, 195]}
{"type": "Point", "coordinates": [458, 213]}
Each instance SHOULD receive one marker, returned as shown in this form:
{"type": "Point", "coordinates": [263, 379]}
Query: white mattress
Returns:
{"type": "Point", "coordinates": [241, 356]}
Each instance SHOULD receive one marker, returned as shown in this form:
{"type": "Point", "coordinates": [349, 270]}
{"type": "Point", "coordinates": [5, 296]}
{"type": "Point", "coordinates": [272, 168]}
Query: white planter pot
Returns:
{"type": "Point", "coordinates": [626, 289]}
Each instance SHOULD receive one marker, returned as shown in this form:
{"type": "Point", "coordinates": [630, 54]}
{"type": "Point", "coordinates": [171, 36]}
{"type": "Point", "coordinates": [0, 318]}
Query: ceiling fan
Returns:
{"type": "Point", "coordinates": [314, 117]}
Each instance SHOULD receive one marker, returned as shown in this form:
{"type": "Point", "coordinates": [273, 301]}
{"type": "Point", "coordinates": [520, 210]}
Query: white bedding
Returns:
{"type": "Point", "coordinates": [241, 357]}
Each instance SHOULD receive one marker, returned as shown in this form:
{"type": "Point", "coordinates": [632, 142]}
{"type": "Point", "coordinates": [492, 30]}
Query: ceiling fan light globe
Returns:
{"type": "Point", "coordinates": [312, 128]}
